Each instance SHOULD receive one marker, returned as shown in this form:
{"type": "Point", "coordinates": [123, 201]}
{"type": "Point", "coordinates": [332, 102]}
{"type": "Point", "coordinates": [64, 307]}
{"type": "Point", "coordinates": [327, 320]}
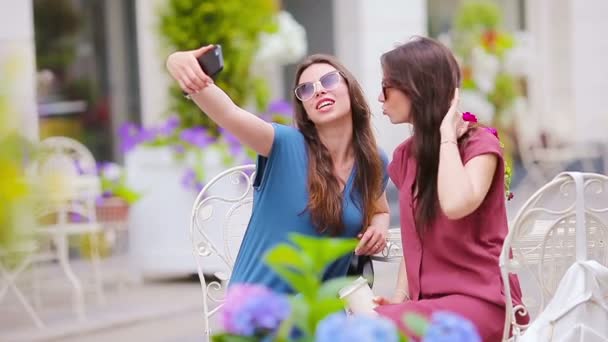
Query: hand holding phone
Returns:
{"type": "Point", "coordinates": [212, 62]}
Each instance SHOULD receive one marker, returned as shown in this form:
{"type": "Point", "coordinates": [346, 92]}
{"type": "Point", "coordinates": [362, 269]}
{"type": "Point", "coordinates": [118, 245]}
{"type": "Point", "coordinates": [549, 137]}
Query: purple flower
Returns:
{"type": "Point", "coordinates": [179, 149]}
{"type": "Point", "coordinates": [78, 167]}
{"type": "Point", "coordinates": [281, 107]}
{"type": "Point", "coordinates": [469, 117]}
{"type": "Point", "coordinates": [492, 130]}
{"type": "Point", "coordinates": [341, 328]}
{"type": "Point", "coordinates": [196, 136]}
{"type": "Point", "coordinates": [447, 326]}
{"type": "Point", "coordinates": [234, 145]}
{"type": "Point", "coordinates": [170, 126]}
{"type": "Point", "coordinates": [77, 218]}
{"type": "Point", "coordinates": [189, 178]}
{"type": "Point", "coordinates": [147, 134]}
{"type": "Point", "coordinates": [128, 129]}
{"type": "Point", "coordinates": [253, 310]}
{"type": "Point", "coordinates": [128, 134]}
{"type": "Point", "coordinates": [102, 198]}
{"type": "Point", "coordinates": [109, 171]}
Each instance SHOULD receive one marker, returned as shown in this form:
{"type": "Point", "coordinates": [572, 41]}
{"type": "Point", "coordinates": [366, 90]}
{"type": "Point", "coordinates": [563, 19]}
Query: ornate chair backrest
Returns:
{"type": "Point", "coordinates": [65, 174]}
{"type": "Point", "coordinates": [564, 221]}
{"type": "Point", "coordinates": [220, 216]}
{"type": "Point", "coordinates": [66, 164]}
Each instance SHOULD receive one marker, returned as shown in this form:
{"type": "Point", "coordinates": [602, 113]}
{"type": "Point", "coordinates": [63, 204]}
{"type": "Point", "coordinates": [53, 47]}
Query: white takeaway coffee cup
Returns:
{"type": "Point", "coordinates": [358, 297]}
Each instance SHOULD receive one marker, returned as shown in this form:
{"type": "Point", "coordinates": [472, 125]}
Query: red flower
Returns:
{"type": "Point", "coordinates": [469, 117]}
{"type": "Point", "coordinates": [489, 39]}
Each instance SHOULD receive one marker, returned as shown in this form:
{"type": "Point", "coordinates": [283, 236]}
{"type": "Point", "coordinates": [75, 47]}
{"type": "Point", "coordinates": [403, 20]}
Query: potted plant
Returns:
{"type": "Point", "coordinates": [255, 313]}
{"type": "Point", "coordinates": [117, 196]}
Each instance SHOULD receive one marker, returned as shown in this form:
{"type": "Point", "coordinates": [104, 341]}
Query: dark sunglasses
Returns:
{"type": "Point", "coordinates": [305, 91]}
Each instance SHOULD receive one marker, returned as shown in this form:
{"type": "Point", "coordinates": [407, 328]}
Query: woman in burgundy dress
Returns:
{"type": "Point", "coordinates": [451, 194]}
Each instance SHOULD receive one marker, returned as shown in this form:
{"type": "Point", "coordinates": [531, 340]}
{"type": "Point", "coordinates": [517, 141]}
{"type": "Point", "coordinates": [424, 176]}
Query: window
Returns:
{"type": "Point", "coordinates": [87, 70]}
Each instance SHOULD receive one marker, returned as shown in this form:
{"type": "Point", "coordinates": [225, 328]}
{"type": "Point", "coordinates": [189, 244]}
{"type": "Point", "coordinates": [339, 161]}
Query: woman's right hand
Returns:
{"type": "Point", "coordinates": [184, 68]}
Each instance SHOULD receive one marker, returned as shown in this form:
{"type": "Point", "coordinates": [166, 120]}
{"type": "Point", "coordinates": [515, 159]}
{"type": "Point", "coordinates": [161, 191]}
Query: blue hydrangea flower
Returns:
{"type": "Point", "coordinates": [341, 328]}
{"type": "Point", "coordinates": [253, 309]}
{"type": "Point", "coordinates": [447, 326]}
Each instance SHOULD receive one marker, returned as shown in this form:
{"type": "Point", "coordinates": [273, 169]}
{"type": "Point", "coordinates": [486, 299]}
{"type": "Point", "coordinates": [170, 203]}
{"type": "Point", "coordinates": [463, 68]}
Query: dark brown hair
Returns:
{"type": "Point", "coordinates": [428, 73]}
{"type": "Point", "coordinates": [325, 196]}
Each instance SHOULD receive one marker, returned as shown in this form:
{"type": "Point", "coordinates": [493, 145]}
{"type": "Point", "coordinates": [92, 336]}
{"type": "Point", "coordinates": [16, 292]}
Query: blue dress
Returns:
{"type": "Point", "coordinates": [279, 202]}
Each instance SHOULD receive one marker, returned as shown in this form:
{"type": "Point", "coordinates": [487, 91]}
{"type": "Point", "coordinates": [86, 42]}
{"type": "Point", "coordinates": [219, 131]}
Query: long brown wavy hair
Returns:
{"type": "Point", "coordinates": [428, 73]}
{"type": "Point", "coordinates": [325, 196]}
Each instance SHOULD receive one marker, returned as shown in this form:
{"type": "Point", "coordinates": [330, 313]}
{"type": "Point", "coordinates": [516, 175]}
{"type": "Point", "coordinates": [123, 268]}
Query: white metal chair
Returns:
{"type": "Point", "coordinates": [26, 254]}
{"type": "Point", "coordinates": [542, 244]}
{"type": "Point", "coordinates": [219, 219]}
{"type": "Point", "coordinates": [66, 175]}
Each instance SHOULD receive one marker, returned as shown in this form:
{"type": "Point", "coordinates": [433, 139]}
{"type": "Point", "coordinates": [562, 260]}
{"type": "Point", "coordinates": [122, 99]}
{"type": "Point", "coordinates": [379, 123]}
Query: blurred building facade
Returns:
{"type": "Point", "coordinates": [116, 71]}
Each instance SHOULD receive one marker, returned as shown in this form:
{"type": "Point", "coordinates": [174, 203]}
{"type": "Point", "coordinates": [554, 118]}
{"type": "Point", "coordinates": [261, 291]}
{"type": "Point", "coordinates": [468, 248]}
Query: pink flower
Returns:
{"type": "Point", "coordinates": [469, 117]}
{"type": "Point", "coordinates": [492, 130]}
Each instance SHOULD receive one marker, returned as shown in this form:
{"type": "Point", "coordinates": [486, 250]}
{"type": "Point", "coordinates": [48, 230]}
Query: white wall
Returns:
{"type": "Point", "coordinates": [569, 80]}
{"type": "Point", "coordinates": [589, 48]}
{"type": "Point", "coordinates": [17, 51]}
{"type": "Point", "coordinates": [154, 81]}
{"type": "Point", "coordinates": [363, 31]}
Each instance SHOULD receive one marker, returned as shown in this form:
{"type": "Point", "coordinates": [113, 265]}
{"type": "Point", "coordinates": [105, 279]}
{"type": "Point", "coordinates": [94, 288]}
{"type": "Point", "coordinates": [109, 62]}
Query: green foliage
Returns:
{"type": "Point", "coordinates": [232, 338]}
{"type": "Point", "coordinates": [302, 265]}
{"type": "Point", "coordinates": [14, 191]}
{"type": "Point", "coordinates": [15, 213]}
{"type": "Point", "coordinates": [478, 16]}
{"type": "Point", "coordinates": [504, 93]}
{"type": "Point", "coordinates": [235, 25]}
{"type": "Point", "coordinates": [477, 25]}
{"type": "Point", "coordinates": [121, 190]}
{"type": "Point", "coordinates": [417, 324]}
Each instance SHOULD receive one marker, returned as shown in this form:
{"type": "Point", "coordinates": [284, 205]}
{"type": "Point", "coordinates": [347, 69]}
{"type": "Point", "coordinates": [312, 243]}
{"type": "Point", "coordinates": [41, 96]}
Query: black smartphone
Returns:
{"type": "Point", "coordinates": [212, 62]}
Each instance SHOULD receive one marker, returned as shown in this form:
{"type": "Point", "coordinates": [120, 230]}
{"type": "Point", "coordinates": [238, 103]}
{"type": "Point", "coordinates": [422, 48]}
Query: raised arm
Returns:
{"type": "Point", "coordinates": [249, 129]}
{"type": "Point", "coordinates": [461, 188]}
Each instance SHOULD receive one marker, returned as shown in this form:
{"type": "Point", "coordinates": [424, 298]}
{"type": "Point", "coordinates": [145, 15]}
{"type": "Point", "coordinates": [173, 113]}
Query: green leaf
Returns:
{"type": "Point", "coordinates": [323, 251]}
{"type": "Point", "coordinates": [402, 337]}
{"type": "Point", "coordinates": [286, 255]}
{"type": "Point", "coordinates": [225, 337]}
{"type": "Point", "coordinates": [330, 288]}
{"type": "Point", "coordinates": [306, 285]}
{"type": "Point", "coordinates": [416, 323]}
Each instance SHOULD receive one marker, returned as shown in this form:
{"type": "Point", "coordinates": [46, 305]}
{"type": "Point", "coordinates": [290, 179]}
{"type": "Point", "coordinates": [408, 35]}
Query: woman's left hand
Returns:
{"type": "Point", "coordinates": [372, 241]}
{"type": "Point", "coordinates": [453, 126]}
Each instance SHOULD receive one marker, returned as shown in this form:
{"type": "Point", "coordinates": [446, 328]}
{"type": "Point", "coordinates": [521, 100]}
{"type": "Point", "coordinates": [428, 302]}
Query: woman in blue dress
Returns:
{"type": "Point", "coordinates": [323, 177]}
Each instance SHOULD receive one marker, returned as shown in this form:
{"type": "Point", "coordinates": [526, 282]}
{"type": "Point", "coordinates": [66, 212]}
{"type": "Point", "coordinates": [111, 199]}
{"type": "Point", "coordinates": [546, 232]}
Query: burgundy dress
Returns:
{"type": "Point", "coordinates": [455, 266]}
